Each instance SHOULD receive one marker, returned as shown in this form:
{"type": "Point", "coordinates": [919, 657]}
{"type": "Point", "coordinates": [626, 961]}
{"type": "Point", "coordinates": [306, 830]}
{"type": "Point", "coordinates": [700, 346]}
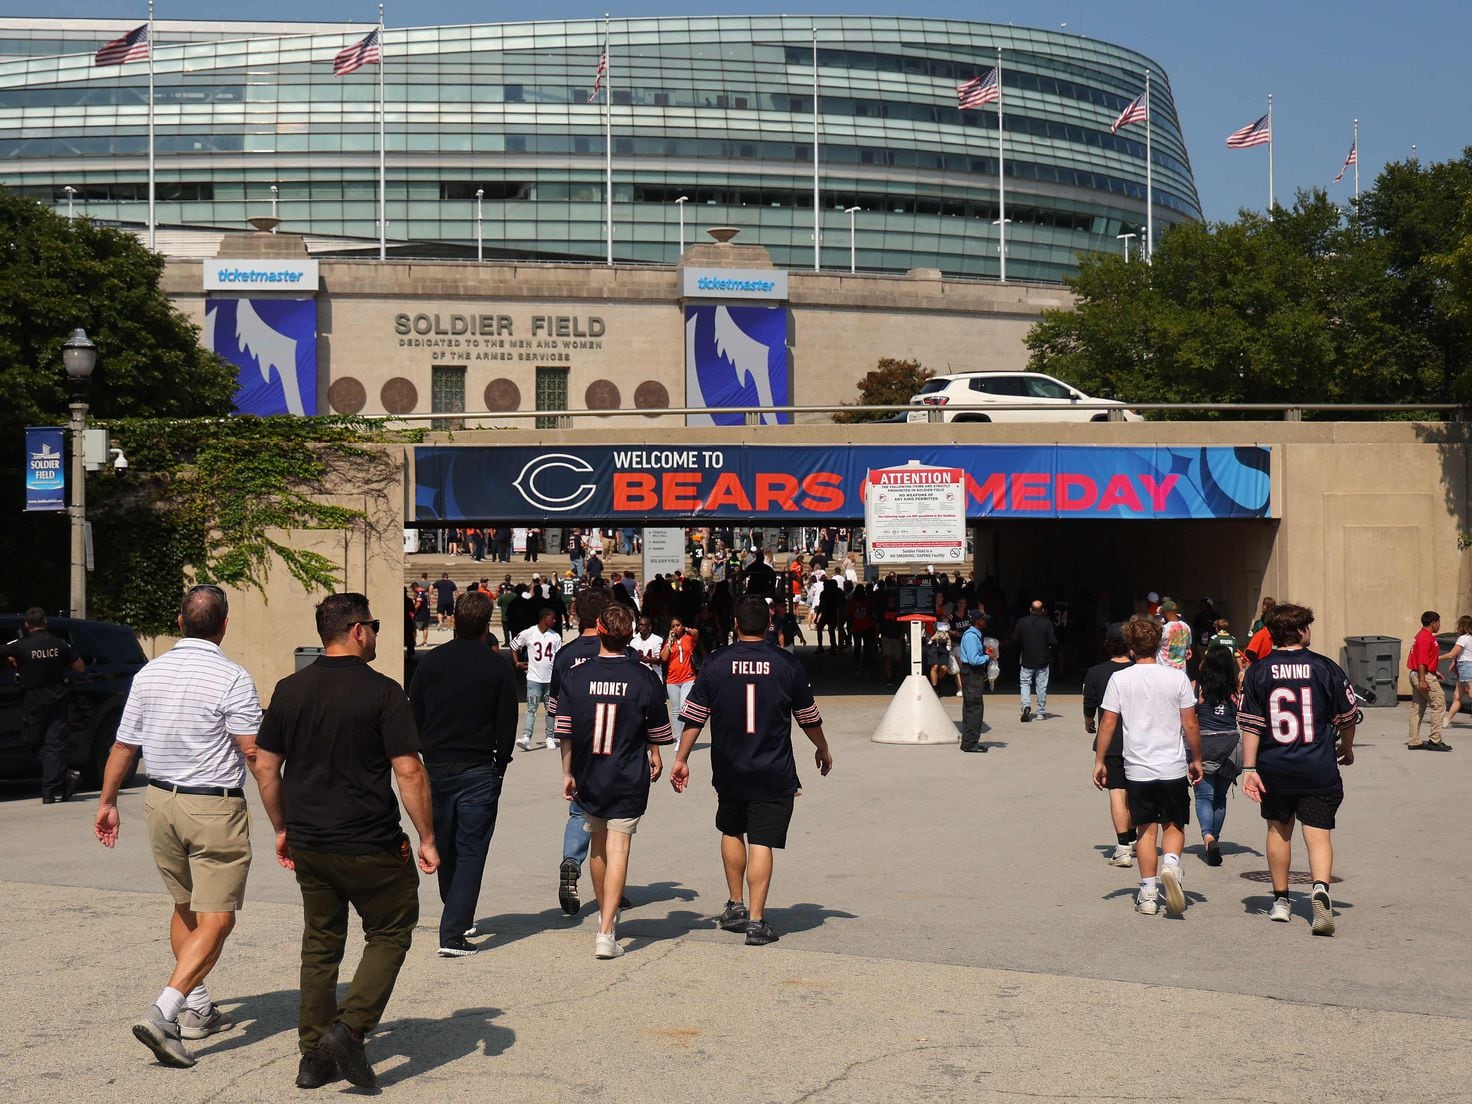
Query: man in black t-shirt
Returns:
{"type": "Point", "coordinates": [340, 728]}
{"type": "Point", "coordinates": [444, 597]}
{"type": "Point", "coordinates": [464, 701]}
{"type": "Point", "coordinates": [611, 721]}
{"type": "Point", "coordinates": [750, 693]}
{"type": "Point", "coordinates": [44, 660]}
{"type": "Point", "coordinates": [1096, 679]}
{"type": "Point", "coordinates": [1297, 718]}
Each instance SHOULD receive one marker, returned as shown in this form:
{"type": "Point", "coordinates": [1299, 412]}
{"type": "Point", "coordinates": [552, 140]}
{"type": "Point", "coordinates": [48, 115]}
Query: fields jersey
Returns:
{"type": "Point", "coordinates": [612, 708]}
{"type": "Point", "coordinates": [1293, 701]}
{"type": "Point", "coordinates": [751, 693]}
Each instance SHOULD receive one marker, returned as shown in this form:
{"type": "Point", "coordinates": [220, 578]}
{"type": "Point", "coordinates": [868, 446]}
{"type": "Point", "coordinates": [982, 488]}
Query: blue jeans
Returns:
{"type": "Point", "coordinates": [575, 839]}
{"type": "Point", "coordinates": [1035, 676]}
{"type": "Point", "coordinates": [536, 694]}
{"type": "Point", "coordinates": [1211, 804]}
{"type": "Point", "coordinates": [465, 807]}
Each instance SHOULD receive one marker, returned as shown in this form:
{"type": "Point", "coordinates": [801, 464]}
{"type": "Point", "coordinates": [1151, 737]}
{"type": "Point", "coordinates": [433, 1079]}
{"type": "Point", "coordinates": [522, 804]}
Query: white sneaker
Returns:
{"type": "Point", "coordinates": [605, 946]}
{"type": "Point", "coordinates": [1323, 914]}
{"type": "Point", "coordinates": [1282, 911]}
{"type": "Point", "coordinates": [1175, 892]}
{"type": "Point", "coordinates": [551, 743]}
{"type": "Point", "coordinates": [1121, 856]}
{"type": "Point", "coordinates": [524, 744]}
{"type": "Point", "coordinates": [1146, 903]}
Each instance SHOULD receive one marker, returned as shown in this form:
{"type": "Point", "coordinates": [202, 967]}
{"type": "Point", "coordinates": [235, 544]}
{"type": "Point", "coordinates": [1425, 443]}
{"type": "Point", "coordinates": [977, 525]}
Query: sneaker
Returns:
{"type": "Point", "coordinates": [1281, 912]}
{"type": "Point", "coordinates": [605, 946]}
{"type": "Point", "coordinates": [734, 917]}
{"type": "Point", "coordinates": [459, 947]}
{"type": "Point", "coordinates": [1121, 856]}
{"type": "Point", "coordinates": [1323, 913]}
{"type": "Point", "coordinates": [162, 1037]}
{"type": "Point", "coordinates": [471, 932]}
{"type": "Point", "coordinates": [567, 886]}
{"type": "Point", "coordinates": [1414, 747]}
{"type": "Point", "coordinates": [1026, 713]}
{"type": "Point", "coordinates": [973, 748]}
{"type": "Point", "coordinates": [1434, 745]}
{"type": "Point", "coordinates": [524, 744]}
{"type": "Point", "coordinates": [1175, 893]}
{"type": "Point", "coordinates": [201, 1025]}
{"type": "Point", "coordinates": [344, 1046]}
{"type": "Point", "coordinates": [70, 783]}
{"type": "Point", "coordinates": [314, 1072]}
{"type": "Point", "coordinates": [1213, 854]}
{"type": "Point", "coordinates": [759, 933]}
{"type": "Point", "coordinates": [1147, 902]}
{"type": "Point", "coordinates": [551, 743]}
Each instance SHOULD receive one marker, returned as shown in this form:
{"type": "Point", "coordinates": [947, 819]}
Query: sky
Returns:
{"type": "Point", "coordinates": [1402, 70]}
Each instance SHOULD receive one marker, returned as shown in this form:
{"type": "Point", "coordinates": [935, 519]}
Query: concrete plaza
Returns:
{"type": "Point", "coordinates": [950, 931]}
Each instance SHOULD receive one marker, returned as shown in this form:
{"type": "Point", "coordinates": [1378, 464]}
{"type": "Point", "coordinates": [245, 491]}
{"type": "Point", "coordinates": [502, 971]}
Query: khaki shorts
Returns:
{"type": "Point", "coordinates": [201, 846]}
{"type": "Point", "coordinates": [626, 825]}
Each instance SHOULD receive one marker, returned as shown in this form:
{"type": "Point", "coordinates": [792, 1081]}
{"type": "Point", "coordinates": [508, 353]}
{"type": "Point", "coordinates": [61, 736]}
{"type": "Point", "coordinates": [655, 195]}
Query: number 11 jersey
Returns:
{"type": "Point", "coordinates": [612, 708]}
{"type": "Point", "coordinates": [1294, 700]}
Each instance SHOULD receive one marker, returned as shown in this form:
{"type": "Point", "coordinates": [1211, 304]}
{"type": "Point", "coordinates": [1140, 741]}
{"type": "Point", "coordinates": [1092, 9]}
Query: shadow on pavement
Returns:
{"type": "Point", "coordinates": [1303, 908]}
{"type": "Point", "coordinates": [508, 927]}
{"type": "Point", "coordinates": [431, 1043]}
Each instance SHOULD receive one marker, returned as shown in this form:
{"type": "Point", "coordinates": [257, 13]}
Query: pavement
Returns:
{"type": "Point", "coordinates": [949, 931]}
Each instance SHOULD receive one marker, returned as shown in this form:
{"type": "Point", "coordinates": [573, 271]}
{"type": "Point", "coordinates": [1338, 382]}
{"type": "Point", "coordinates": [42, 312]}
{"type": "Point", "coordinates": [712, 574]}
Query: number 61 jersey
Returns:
{"type": "Point", "coordinates": [1294, 700]}
{"type": "Point", "coordinates": [612, 708]}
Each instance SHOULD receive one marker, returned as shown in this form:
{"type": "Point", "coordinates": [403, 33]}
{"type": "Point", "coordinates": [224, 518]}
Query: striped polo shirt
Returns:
{"type": "Point", "coordinates": [185, 709]}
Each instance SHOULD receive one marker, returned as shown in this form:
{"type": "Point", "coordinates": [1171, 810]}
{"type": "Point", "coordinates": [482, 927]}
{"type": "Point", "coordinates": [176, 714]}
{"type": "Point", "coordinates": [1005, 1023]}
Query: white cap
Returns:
{"type": "Point", "coordinates": [1152, 597]}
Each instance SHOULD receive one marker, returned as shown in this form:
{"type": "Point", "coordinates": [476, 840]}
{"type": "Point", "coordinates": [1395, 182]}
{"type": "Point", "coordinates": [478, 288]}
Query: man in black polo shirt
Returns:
{"type": "Point", "coordinates": [464, 701]}
{"type": "Point", "coordinates": [44, 660]}
{"type": "Point", "coordinates": [340, 728]}
{"type": "Point", "coordinates": [750, 692]}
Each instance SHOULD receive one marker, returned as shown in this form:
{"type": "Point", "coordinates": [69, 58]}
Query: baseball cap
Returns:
{"type": "Point", "coordinates": [1152, 597]}
{"type": "Point", "coordinates": [976, 614]}
{"type": "Point", "coordinates": [1168, 606]}
{"type": "Point", "coordinates": [1114, 635]}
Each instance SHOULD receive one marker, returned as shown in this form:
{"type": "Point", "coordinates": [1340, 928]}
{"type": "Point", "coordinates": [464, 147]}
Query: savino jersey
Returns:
{"type": "Point", "coordinates": [611, 708]}
{"type": "Point", "coordinates": [1293, 701]}
{"type": "Point", "coordinates": [750, 693]}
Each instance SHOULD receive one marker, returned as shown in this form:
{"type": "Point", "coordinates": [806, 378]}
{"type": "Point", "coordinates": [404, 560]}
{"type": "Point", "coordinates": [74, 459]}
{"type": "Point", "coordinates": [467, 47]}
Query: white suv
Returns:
{"type": "Point", "coordinates": [974, 397]}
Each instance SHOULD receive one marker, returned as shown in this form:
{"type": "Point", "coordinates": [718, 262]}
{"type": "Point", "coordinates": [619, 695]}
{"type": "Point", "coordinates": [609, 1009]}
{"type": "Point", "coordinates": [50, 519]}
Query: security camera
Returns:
{"type": "Point", "coordinates": [119, 461]}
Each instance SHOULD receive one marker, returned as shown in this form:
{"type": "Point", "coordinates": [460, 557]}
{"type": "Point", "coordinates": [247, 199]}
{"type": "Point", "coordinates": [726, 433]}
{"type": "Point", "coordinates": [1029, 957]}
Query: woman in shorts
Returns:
{"type": "Point", "coordinates": [1460, 658]}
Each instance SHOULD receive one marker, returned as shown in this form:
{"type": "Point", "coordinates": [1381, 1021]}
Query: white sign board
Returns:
{"type": "Point", "coordinates": [664, 552]}
{"type": "Point", "coordinates": [733, 283]}
{"type": "Point", "coordinates": [222, 274]}
{"type": "Point", "coordinates": [915, 514]}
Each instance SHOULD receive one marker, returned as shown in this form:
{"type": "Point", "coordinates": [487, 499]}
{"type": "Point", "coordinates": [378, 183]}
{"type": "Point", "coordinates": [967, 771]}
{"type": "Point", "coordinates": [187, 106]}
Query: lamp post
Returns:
{"type": "Point", "coordinates": [70, 193]}
{"type": "Point", "coordinates": [1002, 224]}
{"type": "Point", "coordinates": [680, 203]}
{"type": "Point", "coordinates": [1126, 239]}
{"type": "Point", "coordinates": [274, 197]}
{"type": "Point", "coordinates": [79, 356]}
{"type": "Point", "coordinates": [480, 250]}
{"type": "Point", "coordinates": [850, 212]}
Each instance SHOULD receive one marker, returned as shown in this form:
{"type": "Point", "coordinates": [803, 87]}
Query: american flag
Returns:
{"type": "Point", "coordinates": [1352, 159]}
{"type": "Point", "coordinates": [1258, 133]}
{"type": "Point", "coordinates": [598, 76]}
{"type": "Point", "coordinates": [1136, 112]}
{"type": "Point", "coordinates": [359, 54]}
{"type": "Point", "coordinates": [978, 90]}
{"type": "Point", "coordinates": [133, 46]}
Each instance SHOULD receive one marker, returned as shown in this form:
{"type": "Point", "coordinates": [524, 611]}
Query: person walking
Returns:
{"type": "Point", "coordinates": [1460, 658]}
{"type": "Point", "coordinates": [535, 648]}
{"type": "Point", "coordinates": [1096, 681]}
{"type": "Point", "coordinates": [1221, 745]}
{"type": "Point", "coordinates": [677, 659]}
{"type": "Point", "coordinates": [463, 698]}
{"type": "Point", "coordinates": [340, 729]}
{"type": "Point", "coordinates": [194, 715]}
{"type": "Point", "coordinates": [1034, 634]}
{"type": "Point", "coordinates": [974, 660]}
{"type": "Point", "coordinates": [1426, 693]}
{"type": "Point", "coordinates": [444, 592]}
{"type": "Point", "coordinates": [1175, 637]}
{"type": "Point", "coordinates": [612, 721]}
{"type": "Point", "coordinates": [750, 693]}
{"type": "Point", "coordinates": [1298, 718]}
{"type": "Point", "coordinates": [43, 660]}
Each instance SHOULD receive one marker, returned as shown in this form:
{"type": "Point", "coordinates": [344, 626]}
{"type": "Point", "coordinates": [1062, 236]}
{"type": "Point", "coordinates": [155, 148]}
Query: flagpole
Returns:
{"type": "Point", "coordinates": [817, 217]}
{"type": "Point", "coordinates": [152, 221]}
{"type": "Point", "coordinates": [608, 132]}
{"type": "Point", "coordinates": [1270, 156]}
{"type": "Point", "coordinates": [1356, 159]}
{"type": "Point", "coordinates": [382, 155]}
{"type": "Point", "coordinates": [1001, 177]}
{"type": "Point", "coordinates": [1149, 179]}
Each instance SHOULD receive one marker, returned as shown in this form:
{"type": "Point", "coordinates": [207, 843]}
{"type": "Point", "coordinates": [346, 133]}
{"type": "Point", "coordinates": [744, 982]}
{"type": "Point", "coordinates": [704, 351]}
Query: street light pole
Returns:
{"type": "Point", "coordinates": [850, 211]}
{"type": "Point", "coordinates": [680, 203]}
{"type": "Point", "coordinates": [70, 192]}
{"type": "Point", "coordinates": [273, 205]}
{"type": "Point", "coordinates": [79, 356]}
{"type": "Point", "coordinates": [1001, 224]}
{"type": "Point", "coordinates": [1126, 239]}
{"type": "Point", "coordinates": [480, 252]}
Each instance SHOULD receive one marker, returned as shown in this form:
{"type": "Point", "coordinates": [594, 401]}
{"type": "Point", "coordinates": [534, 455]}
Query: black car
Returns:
{"type": "Point", "coordinates": [112, 657]}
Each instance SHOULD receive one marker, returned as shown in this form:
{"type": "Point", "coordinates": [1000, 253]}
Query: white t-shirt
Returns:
{"type": "Point", "coordinates": [540, 648]}
{"type": "Point", "coordinates": [1465, 643]}
{"type": "Point", "coordinates": [1149, 698]}
{"type": "Point", "coordinates": [649, 648]}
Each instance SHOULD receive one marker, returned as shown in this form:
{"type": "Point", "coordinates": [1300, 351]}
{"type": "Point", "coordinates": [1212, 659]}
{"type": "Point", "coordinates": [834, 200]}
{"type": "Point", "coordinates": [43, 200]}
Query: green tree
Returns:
{"type": "Point", "coordinates": [892, 381]}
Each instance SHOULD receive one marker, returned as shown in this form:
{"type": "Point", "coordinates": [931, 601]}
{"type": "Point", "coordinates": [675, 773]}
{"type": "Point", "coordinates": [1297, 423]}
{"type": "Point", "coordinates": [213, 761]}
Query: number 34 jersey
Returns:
{"type": "Point", "coordinates": [1293, 701]}
{"type": "Point", "coordinates": [612, 708]}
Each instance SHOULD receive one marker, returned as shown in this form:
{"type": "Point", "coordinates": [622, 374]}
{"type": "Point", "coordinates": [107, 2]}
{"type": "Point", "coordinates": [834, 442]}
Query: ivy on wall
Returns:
{"type": "Point", "coordinates": [203, 496]}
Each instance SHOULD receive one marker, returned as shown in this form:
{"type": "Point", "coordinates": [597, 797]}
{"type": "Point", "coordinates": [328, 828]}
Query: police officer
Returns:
{"type": "Point", "coordinates": [43, 659]}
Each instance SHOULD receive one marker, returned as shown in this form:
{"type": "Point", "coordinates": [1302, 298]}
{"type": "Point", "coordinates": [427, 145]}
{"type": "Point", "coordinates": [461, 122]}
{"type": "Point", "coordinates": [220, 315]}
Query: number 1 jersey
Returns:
{"type": "Point", "coordinates": [1293, 701]}
{"type": "Point", "coordinates": [612, 708]}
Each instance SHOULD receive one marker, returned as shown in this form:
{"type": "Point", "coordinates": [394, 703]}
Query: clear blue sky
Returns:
{"type": "Point", "coordinates": [1403, 70]}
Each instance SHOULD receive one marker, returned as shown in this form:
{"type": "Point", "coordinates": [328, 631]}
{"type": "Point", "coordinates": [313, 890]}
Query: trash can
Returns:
{"type": "Point", "coordinates": [1373, 666]}
{"type": "Point", "coordinates": [305, 657]}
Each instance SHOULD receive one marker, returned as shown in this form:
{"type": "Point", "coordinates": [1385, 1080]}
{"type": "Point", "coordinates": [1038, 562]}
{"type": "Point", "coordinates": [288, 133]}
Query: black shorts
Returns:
{"type": "Point", "coordinates": [1313, 808]}
{"type": "Point", "coordinates": [1114, 766]}
{"type": "Point", "coordinates": [1165, 801]}
{"type": "Point", "coordinates": [763, 823]}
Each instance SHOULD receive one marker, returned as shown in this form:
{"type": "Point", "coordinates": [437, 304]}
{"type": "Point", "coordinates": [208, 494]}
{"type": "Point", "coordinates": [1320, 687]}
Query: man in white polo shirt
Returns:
{"type": "Point", "coordinates": [194, 715]}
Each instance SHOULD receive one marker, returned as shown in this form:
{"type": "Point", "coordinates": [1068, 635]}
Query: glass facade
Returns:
{"type": "Point", "coordinates": [719, 109]}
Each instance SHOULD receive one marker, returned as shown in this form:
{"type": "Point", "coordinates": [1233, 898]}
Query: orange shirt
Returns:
{"type": "Point", "coordinates": [1260, 645]}
{"type": "Point", "coordinates": [680, 666]}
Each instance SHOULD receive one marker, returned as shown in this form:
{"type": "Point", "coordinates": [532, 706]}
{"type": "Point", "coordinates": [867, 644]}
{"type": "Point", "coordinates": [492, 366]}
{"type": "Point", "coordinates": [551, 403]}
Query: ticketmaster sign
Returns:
{"type": "Point", "coordinates": [733, 283]}
{"type": "Point", "coordinates": [299, 277]}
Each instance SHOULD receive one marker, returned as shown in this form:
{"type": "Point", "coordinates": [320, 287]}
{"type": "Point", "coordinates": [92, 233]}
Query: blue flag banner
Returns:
{"type": "Point", "coordinates": [645, 484]}
{"type": "Point", "coordinates": [45, 468]}
{"type": "Point", "coordinates": [273, 343]}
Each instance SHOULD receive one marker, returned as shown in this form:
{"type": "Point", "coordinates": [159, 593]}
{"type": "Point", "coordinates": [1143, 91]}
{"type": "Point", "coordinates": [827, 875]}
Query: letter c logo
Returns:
{"type": "Point", "coordinates": [526, 482]}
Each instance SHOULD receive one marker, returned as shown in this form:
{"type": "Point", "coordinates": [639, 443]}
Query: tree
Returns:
{"type": "Point", "coordinates": [891, 382]}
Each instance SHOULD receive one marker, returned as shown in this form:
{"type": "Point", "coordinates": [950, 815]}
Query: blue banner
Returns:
{"type": "Point", "coordinates": [816, 484]}
{"type": "Point", "coordinates": [736, 356]}
{"type": "Point", "coordinates": [45, 468]}
{"type": "Point", "coordinates": [274, 344]}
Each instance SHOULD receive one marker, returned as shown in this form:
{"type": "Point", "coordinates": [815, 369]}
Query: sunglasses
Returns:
{"type": "Point", "coordinates": [371, 624]}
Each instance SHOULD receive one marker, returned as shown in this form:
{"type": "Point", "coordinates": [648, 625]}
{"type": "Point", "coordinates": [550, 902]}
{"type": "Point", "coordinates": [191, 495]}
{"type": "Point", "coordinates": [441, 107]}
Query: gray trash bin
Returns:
{"type": "Point", "coordinates": [305, 657]}
{"type": "Point", "coordinates": [1373, 666]}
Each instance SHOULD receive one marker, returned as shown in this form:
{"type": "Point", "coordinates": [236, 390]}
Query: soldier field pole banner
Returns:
{"type": "Point", "coordinates": [45, 468]}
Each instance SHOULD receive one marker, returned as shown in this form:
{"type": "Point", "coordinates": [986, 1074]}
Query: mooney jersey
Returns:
{"type": "Point", "coordinates": [1294, 700]}
{"type": "Point", "coordinates": [612, 708]}
{"type": "Point", "coordinates": [574, 653]}
{"type": "Point", "coordinates": [751, 693]}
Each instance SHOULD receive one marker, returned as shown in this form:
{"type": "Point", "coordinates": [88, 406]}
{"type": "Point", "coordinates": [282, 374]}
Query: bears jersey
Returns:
{"type": "Point", "coordinates": [611, 709]}
{"type": "Point", "coordinates": [1294, 700]}
{"type": "Point", "coordinates": [574, 653]}
{"type": "Point", "coordinates": [751, 693]}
